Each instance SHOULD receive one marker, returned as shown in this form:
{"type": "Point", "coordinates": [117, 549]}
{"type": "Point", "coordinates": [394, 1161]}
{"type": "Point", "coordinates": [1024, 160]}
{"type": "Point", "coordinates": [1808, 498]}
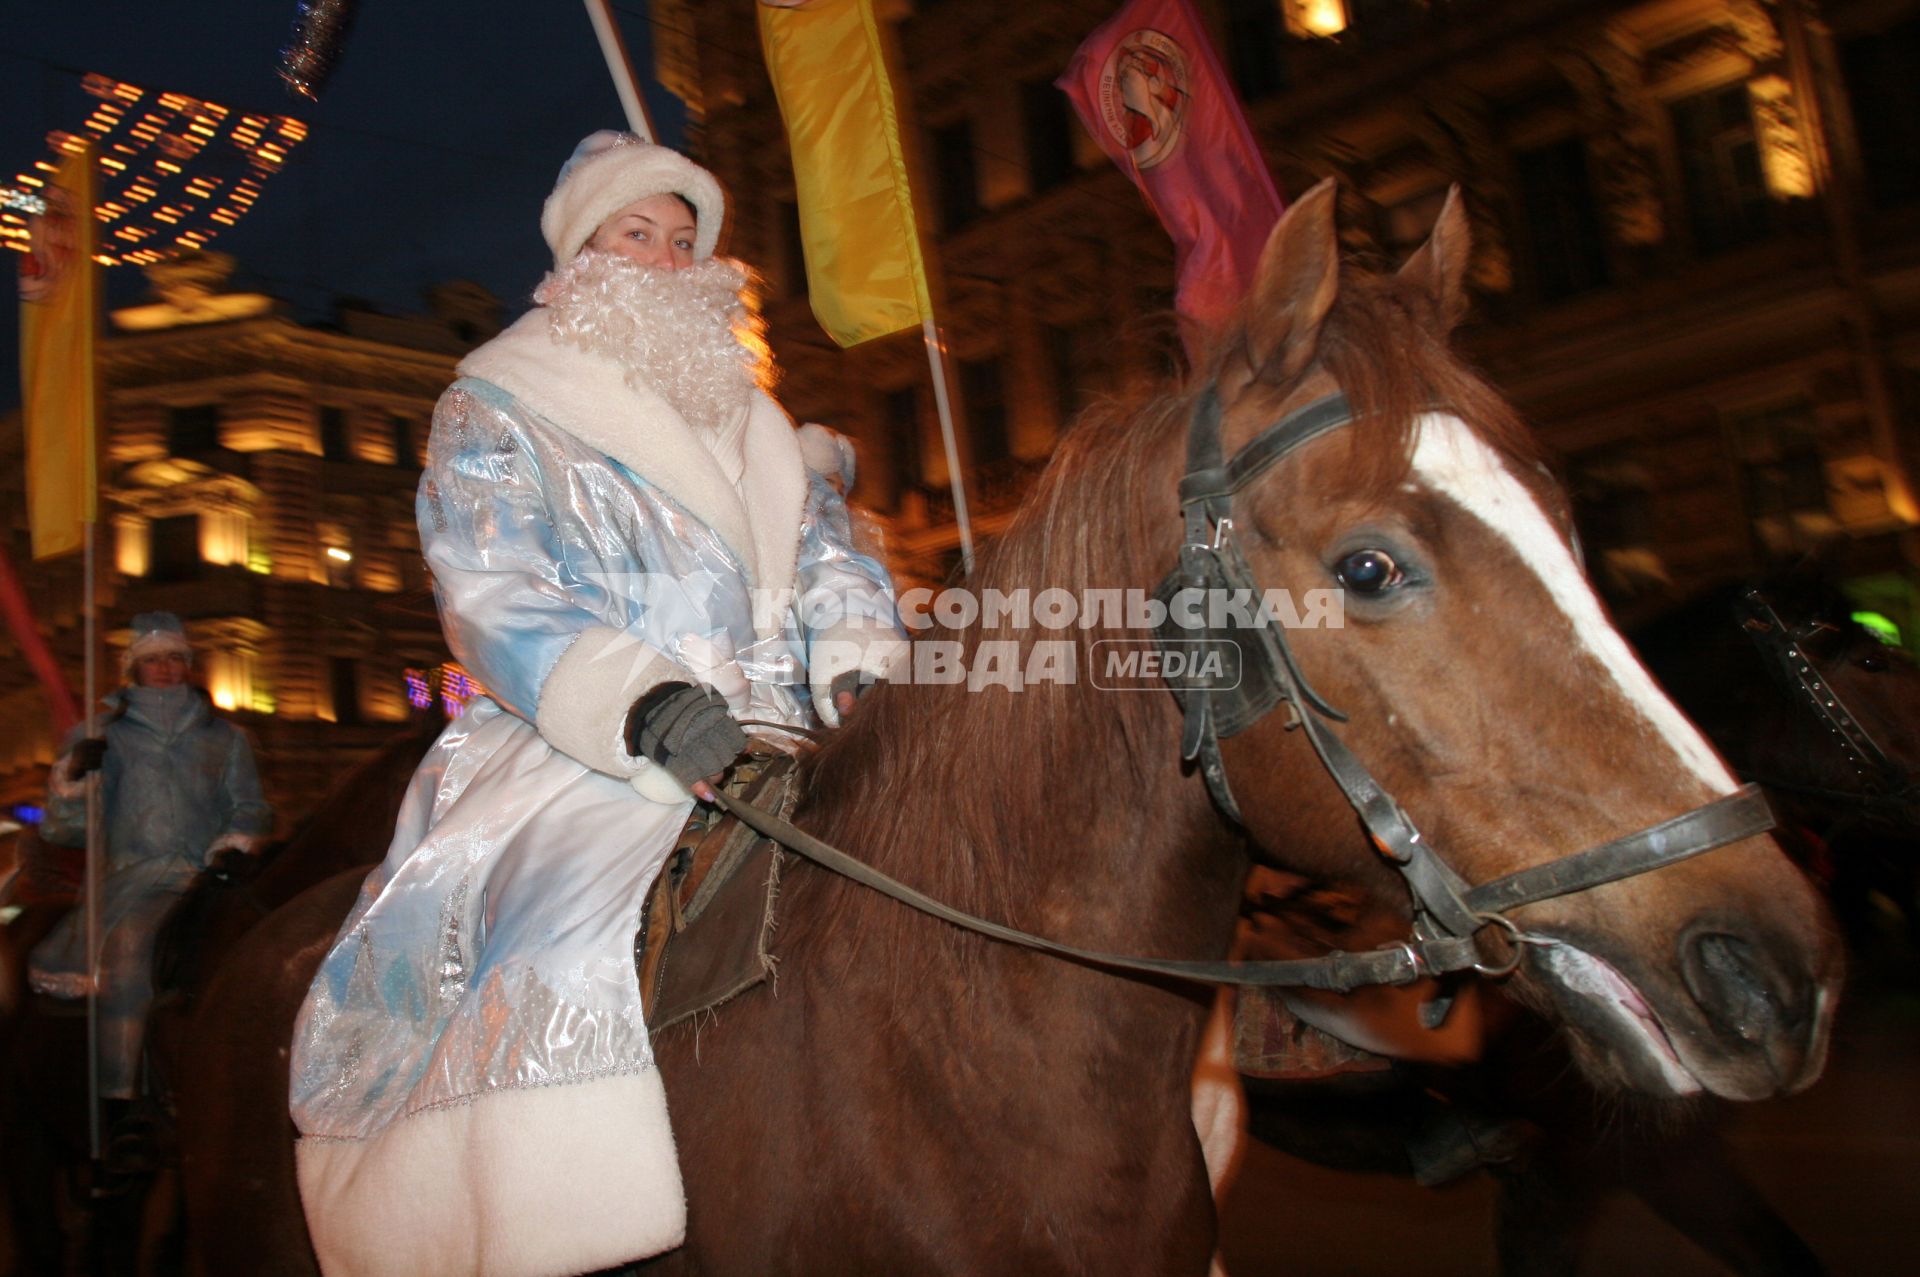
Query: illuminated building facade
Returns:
{"type": "Point", "coordinates": [259, 481]}
{"type": "Point", "coordinates": [1696, 262]}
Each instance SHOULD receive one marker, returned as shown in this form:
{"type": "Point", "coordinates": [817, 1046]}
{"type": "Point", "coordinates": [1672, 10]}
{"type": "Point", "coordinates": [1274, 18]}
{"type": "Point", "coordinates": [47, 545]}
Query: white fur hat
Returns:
{"type": "Point", "coordinates": [155, 632]}
{"type": "Point", "coordinates": [609, 171]}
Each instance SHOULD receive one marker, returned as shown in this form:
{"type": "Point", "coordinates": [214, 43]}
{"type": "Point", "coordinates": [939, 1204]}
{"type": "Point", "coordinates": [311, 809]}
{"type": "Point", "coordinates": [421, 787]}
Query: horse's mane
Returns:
{"type": "Point", "coordinates": [947, 787]}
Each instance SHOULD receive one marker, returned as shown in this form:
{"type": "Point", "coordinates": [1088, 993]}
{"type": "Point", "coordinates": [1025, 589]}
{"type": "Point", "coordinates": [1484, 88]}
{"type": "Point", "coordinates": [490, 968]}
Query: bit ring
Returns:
{"type": "Point", "coordinates": [1515, 937]}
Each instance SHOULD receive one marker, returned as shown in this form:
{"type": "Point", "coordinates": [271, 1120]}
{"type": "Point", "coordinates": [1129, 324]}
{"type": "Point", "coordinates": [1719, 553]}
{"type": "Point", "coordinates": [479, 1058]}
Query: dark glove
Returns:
{"type": "Point", "coordinates": [231, 865]}
{"type": "Point", "coordinates": [854, 681]}
{"type": "Point", "coordinates": [87, 756]}
{"type": "Point", "coordinates": [685, 729]}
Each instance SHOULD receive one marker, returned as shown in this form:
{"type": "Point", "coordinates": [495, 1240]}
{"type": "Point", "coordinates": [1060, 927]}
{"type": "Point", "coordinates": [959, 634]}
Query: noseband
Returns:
{"type": "Point", "coordinates": [1448, 913]}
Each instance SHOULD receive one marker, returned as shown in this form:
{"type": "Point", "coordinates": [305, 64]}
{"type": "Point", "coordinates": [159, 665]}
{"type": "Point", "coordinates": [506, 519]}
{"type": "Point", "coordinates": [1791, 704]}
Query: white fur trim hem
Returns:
{"type": "Point", "coordinates": [584, 702]}
{"type": "Point", "coordinates": [525, 1182]}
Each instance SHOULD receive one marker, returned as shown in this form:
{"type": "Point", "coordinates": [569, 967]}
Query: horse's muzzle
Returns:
{"type": "Point", "coordinates": [1767, 1015]}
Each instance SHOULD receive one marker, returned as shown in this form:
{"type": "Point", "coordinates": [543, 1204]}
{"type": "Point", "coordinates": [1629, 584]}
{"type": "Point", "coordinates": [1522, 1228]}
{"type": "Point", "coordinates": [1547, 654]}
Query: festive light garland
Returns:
{"type": "Point", "coordinates": [174, 170]}
{"type": "Point", "coordinates": [319, 29]}
{"type": "Point", "coordinates": [454, 685]}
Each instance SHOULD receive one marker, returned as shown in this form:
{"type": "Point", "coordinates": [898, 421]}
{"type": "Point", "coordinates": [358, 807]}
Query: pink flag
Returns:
{"type": "Point", "coordinates": [1150, 88]}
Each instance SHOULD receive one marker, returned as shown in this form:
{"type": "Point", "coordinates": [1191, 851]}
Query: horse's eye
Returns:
{"type": "Point", "coordinates": [1369, 572]}
{"type": "Point", "coordinates": [1872, 663]}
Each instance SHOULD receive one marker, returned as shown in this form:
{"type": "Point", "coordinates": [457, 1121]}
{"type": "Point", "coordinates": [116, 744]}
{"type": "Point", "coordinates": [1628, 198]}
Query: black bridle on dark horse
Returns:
{"type": "Point", "coordinates": [1883, 782]}
{"type": "Point", "coordinates": [1448, 913]}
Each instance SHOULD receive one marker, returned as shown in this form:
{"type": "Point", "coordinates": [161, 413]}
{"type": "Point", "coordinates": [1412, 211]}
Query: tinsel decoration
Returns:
{"type": "Point", "coordinates": [319, 29]}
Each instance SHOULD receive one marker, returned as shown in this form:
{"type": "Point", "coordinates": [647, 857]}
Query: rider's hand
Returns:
{"type": "Point", "coordinates": [232, 865]}
{"type": "Point", "coordinates": [686, 730]}
{"type": "Point", "coordinates": [87, 755]}
{"type": "Point", "coordinates": [845, 690]}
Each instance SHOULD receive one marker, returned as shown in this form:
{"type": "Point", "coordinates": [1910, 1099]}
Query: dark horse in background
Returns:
{"type": "Point", "coordinates": [913, 1098]}
{"type": "Point", "coordinates": [43, 1120]}
{"type": "Point", "coordinates": [1557, 1147]}
{"type": "Point", "coordinates": [1777, 700]}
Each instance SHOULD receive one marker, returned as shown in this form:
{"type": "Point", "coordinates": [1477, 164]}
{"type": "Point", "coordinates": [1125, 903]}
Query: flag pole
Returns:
{"type": "Point", "coordinates": [614, 49]}
{"type": "Point", "coordinates": [92, 639]}
{"type": "Point", "coordinates": [936, 359]}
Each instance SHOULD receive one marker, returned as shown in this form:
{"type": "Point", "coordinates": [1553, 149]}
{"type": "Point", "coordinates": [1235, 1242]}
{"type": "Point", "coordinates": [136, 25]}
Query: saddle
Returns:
{"type": "Point", "coordinates": [706, 926]}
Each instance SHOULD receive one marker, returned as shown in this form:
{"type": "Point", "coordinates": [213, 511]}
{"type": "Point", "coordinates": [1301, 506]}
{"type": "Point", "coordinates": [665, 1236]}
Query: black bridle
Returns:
{"type": "Point", "coordinates": [1883, 782]}
{"type": "Point", "coordinates": [1448, 913]}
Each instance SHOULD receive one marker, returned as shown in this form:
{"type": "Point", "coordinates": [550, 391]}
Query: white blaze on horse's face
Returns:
{"type": "Point", "coordinates": [1456, 463]}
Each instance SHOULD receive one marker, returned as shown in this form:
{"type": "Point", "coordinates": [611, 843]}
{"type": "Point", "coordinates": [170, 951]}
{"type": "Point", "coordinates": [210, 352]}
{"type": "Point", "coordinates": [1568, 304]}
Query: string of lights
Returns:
{"type": "Point", "coordinates": [174, 170]}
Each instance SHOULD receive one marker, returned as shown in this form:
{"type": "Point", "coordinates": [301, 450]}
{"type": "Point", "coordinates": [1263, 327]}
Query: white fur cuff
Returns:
{"type": "Point", "coordinates": [872, 648]}
{"type": "Point", "coordinates": [61, 785]}
{"type": "Point", "coordinates": [584, 703]}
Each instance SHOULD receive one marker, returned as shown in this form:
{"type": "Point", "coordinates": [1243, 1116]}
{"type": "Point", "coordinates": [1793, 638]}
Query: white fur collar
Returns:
{"type": "Point", "coordinates": [588, 396]}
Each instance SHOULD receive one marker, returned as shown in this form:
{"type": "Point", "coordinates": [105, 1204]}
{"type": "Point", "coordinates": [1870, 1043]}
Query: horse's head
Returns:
{"type": "Point", "coordinates": [1484, 687]}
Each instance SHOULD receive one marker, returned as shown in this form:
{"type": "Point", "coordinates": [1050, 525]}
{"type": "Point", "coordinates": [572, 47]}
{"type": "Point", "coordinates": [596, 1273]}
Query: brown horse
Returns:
{"type": "Point", "coordinates": [914, 1098]}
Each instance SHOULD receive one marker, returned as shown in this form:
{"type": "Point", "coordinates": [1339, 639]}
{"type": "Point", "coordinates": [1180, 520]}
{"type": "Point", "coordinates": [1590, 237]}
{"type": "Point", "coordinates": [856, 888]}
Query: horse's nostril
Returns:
{"type": "Point", "coordinates": [1729, 978]}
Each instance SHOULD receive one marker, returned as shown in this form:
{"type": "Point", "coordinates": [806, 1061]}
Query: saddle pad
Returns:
{"type": "Point", "coordinates": [705, 931]}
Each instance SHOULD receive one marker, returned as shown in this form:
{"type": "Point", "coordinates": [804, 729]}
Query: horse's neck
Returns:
{"type": "Point", "coordinates": [1091, 847]}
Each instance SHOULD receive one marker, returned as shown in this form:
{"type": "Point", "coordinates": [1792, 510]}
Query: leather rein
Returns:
{"type": "Point", "coordinates": [1449, 914]}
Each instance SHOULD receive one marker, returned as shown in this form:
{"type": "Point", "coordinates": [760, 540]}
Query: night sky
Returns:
{"type": "Point", "coordinates": [432, 145]}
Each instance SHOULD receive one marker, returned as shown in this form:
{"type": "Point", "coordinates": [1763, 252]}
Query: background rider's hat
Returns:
{"type": "Point", "coordinates": [609, 171]}
{"type": "Point", "coordinates": [155, 632]}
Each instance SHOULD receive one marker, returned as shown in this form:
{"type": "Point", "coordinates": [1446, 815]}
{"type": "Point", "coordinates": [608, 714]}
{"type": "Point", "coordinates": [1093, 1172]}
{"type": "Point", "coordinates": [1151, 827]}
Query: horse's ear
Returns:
{"type": "Point", "coordinates": [1294, 287]}
{"type": "Point", "coordinates": [1439, 266]}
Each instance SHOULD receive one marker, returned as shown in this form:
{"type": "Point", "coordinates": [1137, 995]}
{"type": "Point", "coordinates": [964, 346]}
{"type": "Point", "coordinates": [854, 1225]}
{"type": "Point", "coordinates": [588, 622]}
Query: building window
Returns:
{"type": "Point", "coordinates": [1044, 113]}
{"type": "Point", "coordinates": [1384, 20]}
{"type": "Point", "coordinates": [1886, 110]}
{"type": "Point", "coordinates": [336, 554]}
{"type": "Point", "coordinates": [1783, 480]}
{"type": "Point", "coordinates": [403, 431]}
{"type": "Point", "coordinates": [333, 434]}
{"type": "Point", "coordinates": [174, 548]}
{"type": "Point", "coordinates": [224, 537]}
{"type": "Point", "coordinates": [793, 249]}
{"type": "Point", "coordinates": [1727, 203]}
{"type": "Point", "coordinates": [130, 545]}
{"type": "Point", "coordinates": [1563, 223]}
{"type": "Point", "coordinates": [902, 409]}
{"type": "Point", "coordinates": [229, 678]}
{"type": "Point", "coordinates": [343, 681]}
{"type": "Point", "coordinates": [954, 177]}
{"type": "Point", "coordinates": [984, 391]}
{"type": "Point", "coordinates": [1310, 19]}
{"type": "Point", "coordinates": [193, 430]}
{"type": "Point", "coordinates": [1253, 47]}
{"type": "Point", "coordinates": [1612, 494]}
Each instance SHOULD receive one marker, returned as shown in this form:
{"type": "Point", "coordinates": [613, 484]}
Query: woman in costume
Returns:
{"type": "Point", "coordinates": [178, 790]}
{"type": "Point", "coordinates": [629, 555]}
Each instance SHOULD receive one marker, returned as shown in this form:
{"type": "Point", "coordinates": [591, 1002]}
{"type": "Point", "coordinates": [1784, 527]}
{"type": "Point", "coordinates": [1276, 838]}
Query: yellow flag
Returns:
{"type": "Point", "coordinates": [59, 309]}
{"type": "Point", "coordinates": [865, 274]}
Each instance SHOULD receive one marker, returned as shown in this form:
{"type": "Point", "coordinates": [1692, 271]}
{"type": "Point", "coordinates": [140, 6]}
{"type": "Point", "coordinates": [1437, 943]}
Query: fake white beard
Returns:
{"type": "Point", "coordinates": [686, 334]}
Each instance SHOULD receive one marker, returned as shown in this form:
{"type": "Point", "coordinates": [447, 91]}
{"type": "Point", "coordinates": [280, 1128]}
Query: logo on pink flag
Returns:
{"type": "Point", "coordinates": [1149, 87]}
{"type": "Point", "coordinates": [1143, 96]}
